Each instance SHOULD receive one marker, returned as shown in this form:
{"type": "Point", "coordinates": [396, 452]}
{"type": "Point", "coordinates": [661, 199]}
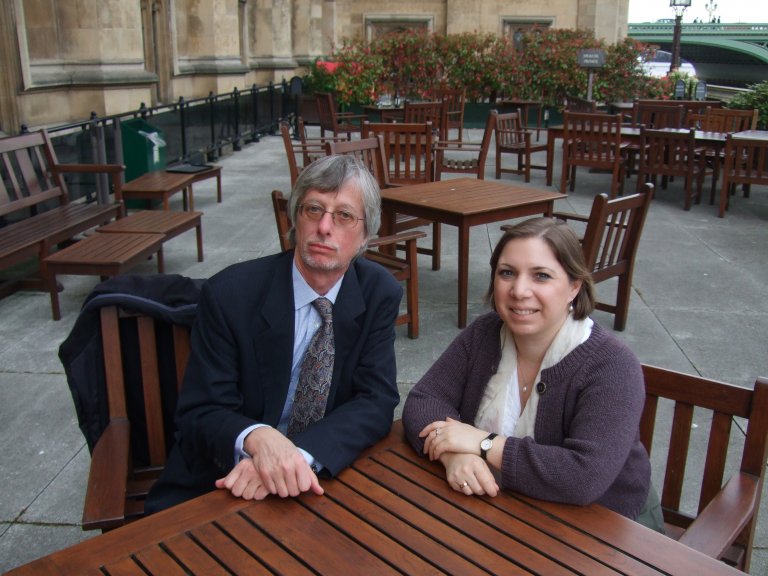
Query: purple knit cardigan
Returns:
{"type": "Point", "coordinates": [586, 446]}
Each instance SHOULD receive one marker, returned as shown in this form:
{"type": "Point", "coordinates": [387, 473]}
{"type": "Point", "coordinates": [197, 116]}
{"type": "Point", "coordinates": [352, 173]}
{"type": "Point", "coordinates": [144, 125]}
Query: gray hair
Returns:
{"type": "Point", "coordinates": [327, 175]}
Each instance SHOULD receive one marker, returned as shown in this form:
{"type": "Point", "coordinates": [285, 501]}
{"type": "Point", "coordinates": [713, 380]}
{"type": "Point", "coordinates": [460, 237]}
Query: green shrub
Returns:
{"type": "Point", "coordinates": [756, 97]}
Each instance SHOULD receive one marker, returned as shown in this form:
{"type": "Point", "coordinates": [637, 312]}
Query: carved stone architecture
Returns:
{"type": "Point", "coordinates": [63, 59]}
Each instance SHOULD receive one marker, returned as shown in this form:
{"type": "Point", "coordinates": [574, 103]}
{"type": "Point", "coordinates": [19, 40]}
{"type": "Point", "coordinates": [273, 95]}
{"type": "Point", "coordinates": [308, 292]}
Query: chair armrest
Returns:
{"type": "Point", "coordinates": [396, 238]}
{"type": "Point", "coordinates": [351, 116]}
{"type": "Point", "coordinates": [107, 479]}
{"type": "Point", "coordinates": [571, 216]}
{"type": "Point", "coordinates": [717, 526]}
{"type": "Point", "coordinates": [116, 170]}
{"type": "Point", "coordinates": [91, 168]}
{"type": "Point", "coordinates": [458, 146]}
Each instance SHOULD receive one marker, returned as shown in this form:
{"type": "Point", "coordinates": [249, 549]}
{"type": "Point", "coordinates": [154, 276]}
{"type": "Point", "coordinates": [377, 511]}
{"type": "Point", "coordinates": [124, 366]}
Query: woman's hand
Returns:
{"type": "Point", "coordinates": [451, 436]}
{"type": "Point", "coordinates": [469, 475]}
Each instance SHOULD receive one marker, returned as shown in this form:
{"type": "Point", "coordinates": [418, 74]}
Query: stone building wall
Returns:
{"type": "Point", "coordinates": [63, 59]}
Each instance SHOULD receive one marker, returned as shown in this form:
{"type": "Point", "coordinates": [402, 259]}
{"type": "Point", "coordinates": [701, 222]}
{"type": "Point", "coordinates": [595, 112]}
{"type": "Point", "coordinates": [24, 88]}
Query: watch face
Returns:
{"type": "Point", "coordinates": [486, 444]}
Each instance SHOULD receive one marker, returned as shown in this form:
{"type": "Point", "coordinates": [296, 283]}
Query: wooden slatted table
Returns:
{"type": "Point", "coordinates": [465, 202]}
{"type": "Point", "coordinates": [101, 255]}
{"type": "Point", "coordinates": [166, 222]}
{"type": "Point", "coordinates": [390, 513]}
{"type": "Point", "coordinates": [161, 185]}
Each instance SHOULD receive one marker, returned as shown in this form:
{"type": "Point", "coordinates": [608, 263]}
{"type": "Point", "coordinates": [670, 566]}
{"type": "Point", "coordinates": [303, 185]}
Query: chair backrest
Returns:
{"type": "Point", "coordinates": [308, 151]}
{"type": "Point", "coordinates": [421, 112]}
{"type": "Point", "coordinates": [509, 132]}
{"type": "Point", "coordinates": [704, 411]}
{"type": "Point", "coordinates": [746, 161]}
{"type": "Point", "coordinates": [729, 120]}
{"type": "Point", "coordinates": [327, 112]}
{"type": "Point", "coordinates": [592, 138]}
{"type": "Point", "coordinates": [408, 150]}
{"type": "Point", "coordinates": [144, 359]}
{"type": "Point", "coordinates": [369, 151]}
{"type": "Point", "coordinates": [454, 99]}
{"type": "Point", "coordinates": [282, 219]}
{"type": "Point", "coordinates": [658, 116]}
{"type": "Point", "coordinates": [613, 233]}
{"type": "Point", "coordinates": [576, 104]}
{"type": "Point", "coordinates": [27, 175]}
{"type": "Point", "coordinates": [667, 153]}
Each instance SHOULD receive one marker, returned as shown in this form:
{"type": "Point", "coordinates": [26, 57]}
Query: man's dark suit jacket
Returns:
{"type": "Point", "coordinates": [240, 367]}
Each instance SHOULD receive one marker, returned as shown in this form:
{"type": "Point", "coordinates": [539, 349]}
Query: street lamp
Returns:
{"type": "Point", "coordinates": [679, 7]}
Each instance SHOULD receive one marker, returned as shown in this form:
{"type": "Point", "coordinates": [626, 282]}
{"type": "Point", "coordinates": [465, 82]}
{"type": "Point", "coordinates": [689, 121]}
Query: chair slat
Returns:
{"type": "Point", "coordinates": [717, 452]}
{"type": "Point", "coordinates": [679, 440]}
{"type": "Point", "coordinates": [150, 376]}
{"type": "Point", "coordinates": [113, 362]}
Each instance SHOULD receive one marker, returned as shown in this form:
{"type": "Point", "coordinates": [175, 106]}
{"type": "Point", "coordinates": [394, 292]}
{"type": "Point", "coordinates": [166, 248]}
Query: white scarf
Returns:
{"type": "Point", "coordinates": [500, 406]}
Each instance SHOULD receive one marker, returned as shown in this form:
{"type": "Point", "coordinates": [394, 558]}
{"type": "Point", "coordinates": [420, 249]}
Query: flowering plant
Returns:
{"type": "Point", "coordinates": [544, 67]}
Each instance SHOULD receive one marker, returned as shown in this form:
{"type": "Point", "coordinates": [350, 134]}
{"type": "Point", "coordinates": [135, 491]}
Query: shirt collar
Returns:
{"type": "Point", "coordinates": [303, 293]}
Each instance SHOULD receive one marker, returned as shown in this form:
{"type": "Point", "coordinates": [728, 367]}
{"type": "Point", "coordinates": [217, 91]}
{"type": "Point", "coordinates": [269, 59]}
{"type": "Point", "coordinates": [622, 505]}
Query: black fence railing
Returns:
{"type": "Point", "coordinates": [190, 130]}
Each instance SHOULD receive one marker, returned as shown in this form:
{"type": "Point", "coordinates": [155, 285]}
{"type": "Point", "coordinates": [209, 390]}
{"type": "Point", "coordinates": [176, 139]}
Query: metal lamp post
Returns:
{"type": "Point", "coordinates": [679, 7]}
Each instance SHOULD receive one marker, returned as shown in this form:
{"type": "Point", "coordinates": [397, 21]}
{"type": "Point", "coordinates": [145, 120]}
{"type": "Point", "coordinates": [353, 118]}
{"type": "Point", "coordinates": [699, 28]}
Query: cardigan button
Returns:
{"type": "Point", "coordinates": [541, 387]}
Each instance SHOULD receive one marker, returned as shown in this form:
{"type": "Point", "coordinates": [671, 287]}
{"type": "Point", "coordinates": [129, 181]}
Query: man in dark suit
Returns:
{"type": "Point", "coordinates": [255, 323]}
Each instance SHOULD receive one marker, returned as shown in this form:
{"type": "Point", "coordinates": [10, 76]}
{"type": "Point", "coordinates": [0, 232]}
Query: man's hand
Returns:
{"type": "Point", "coordinates": [280, 466]}
{"type": "Point", "coordinates": [243, 482]}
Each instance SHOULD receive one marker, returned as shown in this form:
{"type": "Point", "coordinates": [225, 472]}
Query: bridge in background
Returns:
{"type": "Point", "coordinates": [726, 54]}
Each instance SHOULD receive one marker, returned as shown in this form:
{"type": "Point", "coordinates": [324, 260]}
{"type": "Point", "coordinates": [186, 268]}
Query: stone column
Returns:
{"type": "Point", "coordinates": [273, 41]}
{"type": "Point", "coordinates": [11, 84]}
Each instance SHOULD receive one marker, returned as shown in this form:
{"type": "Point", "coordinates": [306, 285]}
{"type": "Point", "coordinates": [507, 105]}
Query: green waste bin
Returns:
{"type": "Point", "coordinates": [143, 148]}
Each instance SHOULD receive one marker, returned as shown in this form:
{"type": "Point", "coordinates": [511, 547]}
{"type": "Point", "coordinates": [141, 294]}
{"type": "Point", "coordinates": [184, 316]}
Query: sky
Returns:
{"type": "Point", "coordinates": [728, 11]}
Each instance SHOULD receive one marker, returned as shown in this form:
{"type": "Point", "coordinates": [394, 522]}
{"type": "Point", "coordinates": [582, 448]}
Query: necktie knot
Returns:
{"type": "Point", "coordinates": [325, 308]}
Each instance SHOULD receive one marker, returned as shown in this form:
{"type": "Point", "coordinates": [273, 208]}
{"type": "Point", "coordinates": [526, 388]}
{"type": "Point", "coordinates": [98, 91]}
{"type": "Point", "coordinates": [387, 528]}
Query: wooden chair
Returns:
{"type": "Point", "coordinates": [512, 138]}
{"type": "Point", "coordinates": [729, 120]}
{"type": "Point", "coordinates": [408, 150]}
{"type": "Point", "coordinates": [300, 155]}
{"type": "Point", "coordinates": [594, 141]}
{"type": "Point", "coordinates": [724, 120]}
{"type": "Point", "coordinates": [433, 112]}
{"type": "Point", "coordinates": [332, 120]}
{"type": "Point", "coordinates": [746, 163]}
{"type": "Point", "coordinates": [664, 153]}
{"type": "Point", "coordinates": [369, 152]}
{"type": "Point", "coordinates": [404, 269]}
{"type": "Point", "coordinates": [131, 452]}
{"type": "Point", "coordinates": [455, 99]}
{"type": "Point", "coordinates": [653, 115]}
{"type": "Point", "coordinates": [465, 157]}
{"type": "Point", "coordinates": [610, 241]}
{"type": "Point", "coordinates": [723, 524]}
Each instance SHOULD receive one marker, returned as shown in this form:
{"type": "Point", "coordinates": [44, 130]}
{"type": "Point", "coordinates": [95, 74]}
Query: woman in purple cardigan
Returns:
{"type": "Point", "coordinates": [535, 397]}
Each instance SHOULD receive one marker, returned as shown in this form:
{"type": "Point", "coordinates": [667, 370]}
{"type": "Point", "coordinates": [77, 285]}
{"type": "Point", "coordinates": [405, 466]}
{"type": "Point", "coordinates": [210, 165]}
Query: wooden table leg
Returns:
{"type": "Point", "coordinates": [550, 157]}
{"type": "Point", "coordinates": [463, 273]}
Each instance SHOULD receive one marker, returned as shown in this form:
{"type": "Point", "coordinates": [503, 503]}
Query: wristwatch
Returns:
{"type": "Point", "coordinates": [486, 445]}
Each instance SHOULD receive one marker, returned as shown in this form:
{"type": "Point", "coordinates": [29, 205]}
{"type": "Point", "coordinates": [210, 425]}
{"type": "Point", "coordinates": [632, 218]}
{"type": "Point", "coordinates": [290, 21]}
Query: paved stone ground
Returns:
{"type": "Point", "coordinates": [698, 306]}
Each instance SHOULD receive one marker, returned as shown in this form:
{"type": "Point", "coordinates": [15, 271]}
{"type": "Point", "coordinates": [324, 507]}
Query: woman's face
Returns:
{"type": "Point", "coordinates": [531, 290]}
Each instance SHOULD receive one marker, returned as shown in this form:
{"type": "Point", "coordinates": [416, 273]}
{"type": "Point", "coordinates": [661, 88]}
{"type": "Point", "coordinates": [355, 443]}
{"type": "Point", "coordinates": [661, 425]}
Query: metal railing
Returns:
{"type": "Point", "coordinates": [192, 130]}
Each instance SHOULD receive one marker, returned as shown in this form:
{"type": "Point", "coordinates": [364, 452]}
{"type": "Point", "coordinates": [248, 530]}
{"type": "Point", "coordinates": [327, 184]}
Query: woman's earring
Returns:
{"type": "Point", "coordinates": [570, 307]}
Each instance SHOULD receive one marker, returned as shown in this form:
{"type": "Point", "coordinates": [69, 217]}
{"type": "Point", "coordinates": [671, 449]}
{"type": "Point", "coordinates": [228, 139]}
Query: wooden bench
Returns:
{"type": "Point", "coordinates": [35, 205]}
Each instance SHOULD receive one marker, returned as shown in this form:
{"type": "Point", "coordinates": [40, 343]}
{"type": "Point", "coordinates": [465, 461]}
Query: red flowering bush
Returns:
{"type": "Point", "coordinates": [546, 68]}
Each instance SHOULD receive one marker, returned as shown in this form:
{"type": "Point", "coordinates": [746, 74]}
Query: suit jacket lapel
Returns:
{"type": "Point", "coordinates": [273, 340]}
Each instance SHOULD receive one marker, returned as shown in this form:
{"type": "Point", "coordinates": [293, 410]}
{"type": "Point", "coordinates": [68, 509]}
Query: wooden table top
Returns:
{"type": "Point", "coordinates": [468, 196]}
{"type": "Point", "coordinates": [159, 181]}
{"type": "Point", "coordinates": [390, 513]}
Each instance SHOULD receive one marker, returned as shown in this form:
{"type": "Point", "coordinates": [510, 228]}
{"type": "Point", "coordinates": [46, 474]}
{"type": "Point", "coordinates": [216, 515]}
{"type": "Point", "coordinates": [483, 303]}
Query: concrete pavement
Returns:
{"type": "Point", "coordinates": [698, 306]}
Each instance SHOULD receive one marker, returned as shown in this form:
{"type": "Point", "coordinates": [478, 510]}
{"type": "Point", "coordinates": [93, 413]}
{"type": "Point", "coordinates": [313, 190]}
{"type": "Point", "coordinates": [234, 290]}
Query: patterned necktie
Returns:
{"type": "Point", "coordinates": [315, 377]}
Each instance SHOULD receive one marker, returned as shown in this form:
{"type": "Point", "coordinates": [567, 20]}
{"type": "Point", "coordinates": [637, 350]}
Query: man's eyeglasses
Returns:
{"type": "Point", "coordinates": [342, 218]}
